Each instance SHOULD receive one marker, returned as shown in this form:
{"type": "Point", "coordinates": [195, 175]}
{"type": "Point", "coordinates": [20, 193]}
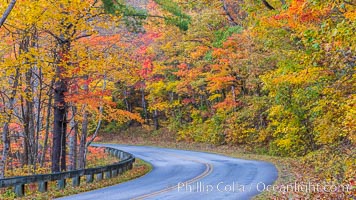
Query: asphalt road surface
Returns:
{"type": "Point", "coordinates": [180, 175]}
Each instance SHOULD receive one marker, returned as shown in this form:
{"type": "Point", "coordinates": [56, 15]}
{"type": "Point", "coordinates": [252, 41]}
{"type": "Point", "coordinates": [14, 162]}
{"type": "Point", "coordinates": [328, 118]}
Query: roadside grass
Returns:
{"type": "Point", "coordinates": [291, 171]}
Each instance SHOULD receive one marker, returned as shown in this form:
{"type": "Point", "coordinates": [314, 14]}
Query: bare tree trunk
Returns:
{"type": "Point", "coordinates": [28, 120]}
{"type": "Point", "coordinates": [83, 140]}
{"type": "Point", "coordinates": [5, 130]}
{"type": "Point", "coordinates": [38, 101]}
{"type": "Point", "coordinates": [7, 12]}
{"type": "Point", "coordinates": [73, 140]}
{"type": "Point", "coordinates": [84, 134]}
{"type": "Point", "coordinates": [48, 124]}
{"type": "Point", "coordinates": [155, 120]}
{"type": "Point", "coordinates": [144, 106]}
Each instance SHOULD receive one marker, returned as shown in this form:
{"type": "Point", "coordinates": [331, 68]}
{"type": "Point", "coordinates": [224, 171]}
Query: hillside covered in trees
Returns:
{"type": "Point", "coordinates": [274, 76]}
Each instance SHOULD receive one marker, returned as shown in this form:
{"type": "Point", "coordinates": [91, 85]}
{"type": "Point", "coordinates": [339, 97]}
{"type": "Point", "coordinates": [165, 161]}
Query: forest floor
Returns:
{"type": "Point", "coordinates": [298, 178]}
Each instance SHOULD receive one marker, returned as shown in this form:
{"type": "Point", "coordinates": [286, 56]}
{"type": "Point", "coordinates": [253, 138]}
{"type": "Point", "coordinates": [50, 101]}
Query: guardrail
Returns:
{"type": "Point", "coordinates": [42, 180]}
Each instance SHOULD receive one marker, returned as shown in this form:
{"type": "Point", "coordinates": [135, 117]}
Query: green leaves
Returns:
{"type": "Point", "coordinates": [223, 34]}
{"type": "Point", "coordinates": [179, 19]}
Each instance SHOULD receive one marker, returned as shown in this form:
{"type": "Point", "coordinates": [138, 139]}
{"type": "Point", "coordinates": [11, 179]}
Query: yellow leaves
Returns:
{"type": "Point", "coordinates": [300, 78]}
{"type": "Point", "coordinates": [284, 143]}
{"type": "Point", "coordinates": [156, 88]}
{"type": "Point", "coordinates": [214, 96]}
{"type": "Point", "coordinates": [349, 122]}
{"type": "Point", "coordinates": [159, 106]}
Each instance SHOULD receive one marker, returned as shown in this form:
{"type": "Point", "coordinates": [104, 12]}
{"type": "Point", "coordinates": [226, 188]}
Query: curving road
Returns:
{"type": "Point", "coordinates": [179, 174]}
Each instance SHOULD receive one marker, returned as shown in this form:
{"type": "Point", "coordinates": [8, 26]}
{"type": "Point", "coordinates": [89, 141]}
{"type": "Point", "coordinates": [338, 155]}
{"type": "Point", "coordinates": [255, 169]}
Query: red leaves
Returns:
{"type": "Point", "coordinates": [187, 101]}
{"type": "Point", "coordinates": [227, 104]}
{"type": "Point", "coordinates": [281, 17]}
{"type": "Point", "coordinates": [147, 68]}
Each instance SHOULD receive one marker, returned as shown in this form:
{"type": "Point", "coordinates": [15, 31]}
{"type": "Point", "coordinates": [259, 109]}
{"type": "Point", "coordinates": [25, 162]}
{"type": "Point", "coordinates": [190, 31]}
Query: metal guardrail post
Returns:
{"type": "Point", "coordinates": [114, 172]}
{"type": "Point", "coordinates": [99, 176]}
{"type": "Point", "coordinates": [61, 184]}
{"type": "Point", "coordinates": [89, 178]}
{"type": "Point", "coordinates": [43, 186]}
{"type": "Point", "coordinates": [76, 181]}
{"type": "Point", "coordinates": [20, 190]}
{"type": "Point", "coordinates": [108, 174]}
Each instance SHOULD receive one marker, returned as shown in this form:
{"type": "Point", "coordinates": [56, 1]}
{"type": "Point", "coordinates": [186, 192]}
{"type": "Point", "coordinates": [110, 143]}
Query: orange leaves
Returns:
{"type": "Point", "coordinates": [350, 14]}
{"type": "Point", "coordinates": [219, 82]}
{"type": "Point", "coordinates": [299, 13]}
{"type": "Point", "coordinates": [114, 114]}
{"type": "Point", "coordinates": [199, 52]}
{"type": "Point", "coordinates": [226, 105]}
{"type": "Point", "coordinates": [219, 52]}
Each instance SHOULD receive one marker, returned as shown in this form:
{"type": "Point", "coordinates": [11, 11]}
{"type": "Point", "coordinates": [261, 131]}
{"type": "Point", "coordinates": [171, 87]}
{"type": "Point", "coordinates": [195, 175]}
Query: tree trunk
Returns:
{"type": "Point", "coordinates": [39, 124]}
{"type": "Point", "coordinates": [73, 140]}
{"type": "Point", "coordinates": [144, 106]}
{"type": "Point", "coordinates": [84, 134]}
{"type": "Point", "coordinates": [5, 130]}
{"type": "Point", "coordinates": [59, 128]}
{"type": "Point", "coordinates": [155, 120]}
{"type": "Point", "coordinates": [83, 140]}
{"type": "Point", "coordinates": [48, 117]}
{"type": "Point", "coordinates": [60, 110]}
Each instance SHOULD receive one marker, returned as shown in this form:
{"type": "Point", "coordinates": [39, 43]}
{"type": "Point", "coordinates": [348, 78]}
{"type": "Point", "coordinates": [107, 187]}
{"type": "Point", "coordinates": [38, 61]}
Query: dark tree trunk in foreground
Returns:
{"type": "Point", "coordinates": [60, 111]}
{"type": "Point", "coordinates": [60, 126]}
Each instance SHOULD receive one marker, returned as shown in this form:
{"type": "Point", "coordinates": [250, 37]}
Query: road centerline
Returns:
{"type": "Point", "coordinates": [208, 170]}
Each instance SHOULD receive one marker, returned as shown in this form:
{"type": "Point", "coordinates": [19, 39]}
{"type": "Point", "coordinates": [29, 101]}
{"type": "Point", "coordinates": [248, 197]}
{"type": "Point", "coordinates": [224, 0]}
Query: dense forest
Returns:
{"type": "Point", "coordinates": [274, 76]}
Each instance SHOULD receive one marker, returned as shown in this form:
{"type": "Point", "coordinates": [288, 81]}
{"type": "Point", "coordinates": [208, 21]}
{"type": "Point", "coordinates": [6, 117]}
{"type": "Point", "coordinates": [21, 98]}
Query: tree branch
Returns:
{"type": "Point", "coordinates": [7, 12]}
{"type": "Point", "coordinates": [267, 5]}
{"type": "Point", "coordinates": [231, 19]}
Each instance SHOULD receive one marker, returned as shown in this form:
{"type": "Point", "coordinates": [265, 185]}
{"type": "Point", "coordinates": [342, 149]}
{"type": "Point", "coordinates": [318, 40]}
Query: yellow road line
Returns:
{"type": "Point", "coordinates": [208, 170]}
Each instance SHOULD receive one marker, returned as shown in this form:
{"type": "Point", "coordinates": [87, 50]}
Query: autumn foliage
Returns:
{"type": "Point", "coordinates": [276, 77]}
